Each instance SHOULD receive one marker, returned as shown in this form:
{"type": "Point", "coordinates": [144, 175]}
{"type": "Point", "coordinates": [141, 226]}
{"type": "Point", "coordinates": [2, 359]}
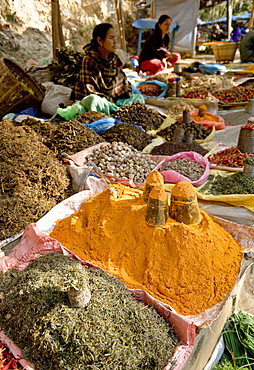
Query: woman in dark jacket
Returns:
{"type": "Point", "coordinates": [155, 56]}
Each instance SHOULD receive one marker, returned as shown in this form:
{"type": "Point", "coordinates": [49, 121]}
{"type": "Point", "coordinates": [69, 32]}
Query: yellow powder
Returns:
{"type": "Point", "coordinates": [189, 267]}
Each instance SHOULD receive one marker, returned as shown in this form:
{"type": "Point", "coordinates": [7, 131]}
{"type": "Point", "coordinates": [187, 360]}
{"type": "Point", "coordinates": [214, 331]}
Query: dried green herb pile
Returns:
{"type": "Point", "coordinates": [32, 179]}
{"type": "Point", "coordinates": [138, 114]}
{"type": "Point", "coordinates": [231, 184]}
{"type": "Point", "coordinates": [66, 137]}
{"type": "Point", "coordinates": [129, 134]}
{"type": "Point", "coordinates": [113, 332]}
{"type": "Point", "coordinates": [173, 147]}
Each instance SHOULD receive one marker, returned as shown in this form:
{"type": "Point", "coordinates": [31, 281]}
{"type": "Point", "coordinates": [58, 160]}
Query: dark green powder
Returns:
{"type": "Point", "coordinates": [231, 184]}
{"type": "Point", "coordinates": [114, 331]}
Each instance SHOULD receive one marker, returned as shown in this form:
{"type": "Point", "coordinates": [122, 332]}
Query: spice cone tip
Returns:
{"type": "Point", "coordinates": [158, 193]}
{"type": "Point", "coordinates": [183, 189]}
{"type": "Point", "coordinates": [155, 177]}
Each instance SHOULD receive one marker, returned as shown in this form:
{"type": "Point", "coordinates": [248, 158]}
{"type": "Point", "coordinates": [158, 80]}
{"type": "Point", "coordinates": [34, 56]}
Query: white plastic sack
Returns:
{"type": "Point", "coordinates": [55, 95]}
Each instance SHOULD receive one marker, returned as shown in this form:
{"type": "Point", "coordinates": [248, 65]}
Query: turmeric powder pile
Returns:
{"type": "Point", "coordinates": [203, 116]}
{"type": "Point", "coordinates": [189, 267]}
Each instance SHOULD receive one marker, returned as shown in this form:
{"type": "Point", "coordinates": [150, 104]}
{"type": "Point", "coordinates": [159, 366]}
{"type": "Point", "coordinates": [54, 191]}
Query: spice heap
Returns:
{"type": "Point", "coordinates": [71, 137]}
{"type": "Point", "coordinates": [189, 267]}
{"type": "Point", "coordinates": [199, 131]}
{"type": "Point", "coordinates": [210, 83]}
{"type": "Point", "coordinates": [32, 179]}
{"type": "Point", "coordinates": [187, 168]}
{"type": "Point", "coordinates": [122, 160]}
{"type": "Point", "coordinates": [129, 134]}
{"type": "Point", "coordinates": [229, 157]}
{"type": "Point", "coordinates": [150, 89]}
{"type": "Point", "coordinates": [173, 147]}
{"type": "Point", "coordinates": [177, 108]}
{"type": "Point", "coordinates": [90, 116]}
{"type": "Point", "coordinates": [114, 331]}
{"type": "Point", "coordinates": [234, 95]}
{"type": "Point", "coordinates": [66, 137]}
{"type": "Point", "coordinates": [138, 114]}
{"type": "Point", "coordinates": [234, 183]}
{"type": "Point", "coordinates": [203, 116]}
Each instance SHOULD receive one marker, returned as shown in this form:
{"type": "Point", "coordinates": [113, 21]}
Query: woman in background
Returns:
{"type": "Point", "coordinates": [155, 56]}
{"type": "Point", "coordinates": [101, 72]}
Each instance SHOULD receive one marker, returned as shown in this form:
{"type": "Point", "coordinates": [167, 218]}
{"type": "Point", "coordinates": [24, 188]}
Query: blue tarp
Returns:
{"type": "Point", "coordinates": [234, 18]}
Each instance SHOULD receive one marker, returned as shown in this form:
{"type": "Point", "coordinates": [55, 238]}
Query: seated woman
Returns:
{"type": "Point", "coordinates": [101, 72]}
{"type": "Point", "coordinates": [155, 56]}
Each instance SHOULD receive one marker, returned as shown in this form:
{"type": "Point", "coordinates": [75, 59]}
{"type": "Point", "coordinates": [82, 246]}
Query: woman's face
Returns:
{"type": "Point", "coordinates": [109, 43]}
{"type": "Point", "coordinates": [165, 26]}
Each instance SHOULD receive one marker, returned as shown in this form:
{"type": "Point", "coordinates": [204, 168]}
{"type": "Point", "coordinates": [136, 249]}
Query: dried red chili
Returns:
{"type": "Point", "coordinates": [230, 157]}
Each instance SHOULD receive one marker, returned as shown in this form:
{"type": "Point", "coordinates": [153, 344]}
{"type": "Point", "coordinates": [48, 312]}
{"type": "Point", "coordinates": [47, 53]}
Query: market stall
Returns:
{"type": "Point", "coordinates": [82, 188]}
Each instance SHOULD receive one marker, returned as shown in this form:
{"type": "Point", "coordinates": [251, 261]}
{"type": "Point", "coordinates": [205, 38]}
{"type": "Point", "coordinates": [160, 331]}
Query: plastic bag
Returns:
{"type": "Point", "coordinates": [101, 125]}
{"type": "Point", "coordinates": [96, 103]}
{"type": "Point", "coordinates": [162, 85]}
{"type": "Point", "coordinates": [174, 177]}
{"type": "Point", "coordinates": [71, 112]}
{"type": "Point", "coordinates": [133, 98]}
{"type": "Point", "coordinates": [55, 95]}
{"type": "Point", "coordinates": [218, 123]}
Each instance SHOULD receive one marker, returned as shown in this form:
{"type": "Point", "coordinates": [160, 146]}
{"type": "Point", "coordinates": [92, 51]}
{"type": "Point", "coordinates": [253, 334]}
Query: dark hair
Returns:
{"type": "Point", "coordinates": [100, 31]}
{"type": "Point", "coordinates": [162, 19]}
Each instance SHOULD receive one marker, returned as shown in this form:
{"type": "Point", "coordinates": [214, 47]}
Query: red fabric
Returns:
{"type": "Point", "coordinates": [175, 59]}
{"type": "Point", "coordinates": [152, 66]}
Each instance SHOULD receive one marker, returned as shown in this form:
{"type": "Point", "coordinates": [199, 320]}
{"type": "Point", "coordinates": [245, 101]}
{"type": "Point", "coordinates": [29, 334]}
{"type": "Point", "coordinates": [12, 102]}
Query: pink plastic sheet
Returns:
{"type": "Point", "coordinates": [174, 177]}
{"type": "Point", "coordinates": [35, 243]}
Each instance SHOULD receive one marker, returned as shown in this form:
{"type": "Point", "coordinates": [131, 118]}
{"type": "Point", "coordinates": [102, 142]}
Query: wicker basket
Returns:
{"type": "Point", "coordinates": [18, 90]}
{"type": "Point", "coordinates": [225, 52]}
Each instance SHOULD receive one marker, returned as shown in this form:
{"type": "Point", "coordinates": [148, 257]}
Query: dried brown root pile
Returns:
{"type": "Point", "coordinates": [32, 179]}
{"type": "Point", "coordinates": [66, 137]}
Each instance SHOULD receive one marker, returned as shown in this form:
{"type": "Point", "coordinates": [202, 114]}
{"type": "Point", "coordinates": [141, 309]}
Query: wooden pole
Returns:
{"type": "Point", "coordinates": [57, 31]}
{"type": "Point", "coordinates": [251, 17]}
{"type": "Point", "coordinates": [229, 18]}
{"type": "Point", "coordinates": [118, 9]}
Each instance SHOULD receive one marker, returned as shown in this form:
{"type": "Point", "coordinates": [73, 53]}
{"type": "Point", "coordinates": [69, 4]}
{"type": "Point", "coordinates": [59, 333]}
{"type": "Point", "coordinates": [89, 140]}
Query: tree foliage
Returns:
{"type": "Point", "coordinates": [220, 10]}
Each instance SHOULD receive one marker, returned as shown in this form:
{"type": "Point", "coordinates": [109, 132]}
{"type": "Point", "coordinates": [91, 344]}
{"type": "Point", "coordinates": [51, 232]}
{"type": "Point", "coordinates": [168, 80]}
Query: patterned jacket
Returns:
{"type": "Point", "coordinates": [100, 76]}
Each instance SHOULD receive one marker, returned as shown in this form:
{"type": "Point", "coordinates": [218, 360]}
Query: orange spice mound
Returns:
{"type": "Point", "coordinates": [155, 177]}
{"type": "Point", "coordinates": [189, 267]}
{"type": "Point", "coordinates": [183, 189]}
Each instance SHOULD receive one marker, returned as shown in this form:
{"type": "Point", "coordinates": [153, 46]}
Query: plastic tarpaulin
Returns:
{"type": "Point", "coordinates": [35, 242]}
{"type": "Point", "coordinates": [185, 14]}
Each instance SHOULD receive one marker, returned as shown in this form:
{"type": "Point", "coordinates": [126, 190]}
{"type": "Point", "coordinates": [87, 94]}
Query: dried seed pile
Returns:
{"type": "Point", "coordinates": [173, 147]}
{"type": "Point", "coordinates": [177, 108]}
{"type": "Point", "coordinates": [231, 184]}
{"type": "Point", "coordinates": [129, 134]}
{"type": "Point", "coordinates": [192, 170]}
{"type": "Point", "coordinates": [65, 68]}
{"type": "Point", "coordinates": [199, 131]}
{"type": "Point", "coordinates": [90, 116]}
{"type": "Point", "coordinates": [113, 332]}
{"type": "Point", "coordinates": [71, 137]}
{"type": "Point", "coordinates": [162, 77]}
{"type": "Point", "coordinates": [210, 83]}
{"type": "Point", "coordinates": [138, 114]}
{"type": "Point", "coordinates": [32, 179]}
{"type": "Point", "coordinates": [122, 160]}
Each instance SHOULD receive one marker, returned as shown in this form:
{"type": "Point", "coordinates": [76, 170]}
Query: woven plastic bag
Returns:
{"type": "Point", "coordinates": [174, 177]}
